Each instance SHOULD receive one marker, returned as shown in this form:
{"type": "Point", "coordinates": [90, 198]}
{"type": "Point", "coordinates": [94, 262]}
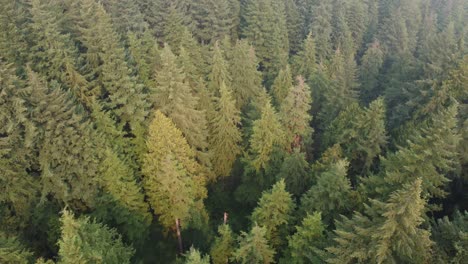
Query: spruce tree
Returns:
{"type": "Point", "coordinates": [295, 172]}
{"type": "Point", "coordinates": [17, 136]}
{"type": "Point", "coordinates": [11, 250]}
{"type": "Point", "coordinates": [253, 248]}
{"type": "Point", "coordinates": [172, 178]}
{"type": "Point", "coordinates": [173, 97]}
{"type": "Point", "coordinates": [294, 114]}
{"type": "Point", "coordinates": [305, 245]}
{"type": "Point", "coordinates": [265, 26]}
{"type": "Point", "coordinates": [371, 63]}
{"type": "Point", "coordinates": [225, 134]}
{"type": "Point", "coordinates": [281, 86]}
{"type": "Point", "coordinates": [321, 28]}
{"type": "Point", "coordinates": [305, 62]}
{"type": "Point", "coordinates": [219, 71]}
{"type": "Point", "coordinates": [12, 21]}
{"type": "Point", "coordinates": [273, 212]}
{"type": "Point", "coordinates": [246, 79]}
{"type": "Point", "coordinates": [144, 55]}
{"type": "Point", "coordinates": [223, 246]}
{"type": "Point", "coordinates": [84, 241]}
{"type": "Point", "coordinates": [450, 237]}
{"type": "Point", "coordinates": [266, 134]}
{"type": "Point", "coordinates": [126, 16]}
{"type": "Point", "coordinates": [390, 232]}
{"type": "Point", "coordinates": [212, 19]}
{"type": "Point", "coordinates": [66, 144]}
{"type": "Point", "coordinates": [331, 194]}
{"type": "Point", "coordinates": [194, 257]}
{"type": "Point", "coordinates": [293, 25]}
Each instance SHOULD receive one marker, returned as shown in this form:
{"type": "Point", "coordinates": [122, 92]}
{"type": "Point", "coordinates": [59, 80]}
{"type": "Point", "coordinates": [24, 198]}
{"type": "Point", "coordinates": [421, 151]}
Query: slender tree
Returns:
{"type": "Point", "coordinates": [254, 248]}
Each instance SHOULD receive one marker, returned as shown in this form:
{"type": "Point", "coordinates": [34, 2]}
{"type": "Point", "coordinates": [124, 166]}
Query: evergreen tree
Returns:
{"type": "Point", "coordinates": [106, 68]}
{"type": "Point", "coordinates": [66, 144]}
{"type": "Point", "coordinates": [172, 178]}
{"type": "Point", "coordinates": [144, 55]}
{"type": "Point", "coordinates": [85, 241]}
{"type": "Point", "coordinates": [304, 63]}
{"type": "Point", "coordinates": [254, 248]}
{"type": "Point", "coordinates": [225, 133]}
{"type": "Point", "coordinates": [305, 245]}
{"type": "Point", "coordinates": [293, 25]}
{"type": "Point", "coordinates": [331, 194]}
{"type": "Point", "coordinates": [173, 97]}
{"type": "Point", "coordinates": [223, 246]}
{"type": "Point", "coordinates": [295, 172]}
{"type": "Point", "coordinates": [17, 136]}
{"type": "Point", "coordinates": [12, 20]}
{"type": "Point", "coordinates": [212, 19]}
{"type": "Point", "coordinates": [126, 16]}
{"type": "Point", "coordinates": [174, 27]}
{"type": "Point", "coordinates": [11, 250]}
{"type": "Point", "coordinates": [391, 232]}
{"type": "Point", "coordinates": [219, 71]}
{"type": "Point", "coordinates": [194, 257]}
{"type": "Point", "coordinates": [321, 28]}
{"type": "Point", "coordinates": [266, 134]}
{"type": "Point", "coordinates": [451, 238]}
{"type": "Point", "coordinates": [295, 115]}
{"type": "Point", "coordinates": [281, 86]}
{"type": "Point", "coordinates": [274, 212]}
{"type": "Point", "coordinates": [246, 79]}
{"type": "Point", "coordinates": [341, 92]}
{"type": "Point", "coordinates": [371, 64]}
{"type": "Point", "coordinates": [265, 26]}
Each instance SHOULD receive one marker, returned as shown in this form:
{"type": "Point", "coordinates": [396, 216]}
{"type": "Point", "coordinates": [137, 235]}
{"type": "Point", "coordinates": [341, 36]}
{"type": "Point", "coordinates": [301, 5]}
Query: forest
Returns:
{"type": "Point", "coordinates": [233, 131]}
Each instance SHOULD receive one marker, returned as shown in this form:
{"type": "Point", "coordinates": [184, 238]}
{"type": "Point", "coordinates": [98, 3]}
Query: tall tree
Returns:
{"type": "Point", "coordinates": [172, 178]}
{"type": "Point", "coordinates": [321, 28]}
{"type": "Point", "coordinates": [331, 194]}
{"type": "Point", "coordinates": [212, 19]}
{"type": "Point", "coordinates": [195, 257]}
{"type": "Point", "coordinates": [305, 62]}
{"type": "Point", "coordinates": [84, 241]}
{"type": "Point", "coordinates": [219, 70]}
{"type": "Point", "coordinates": [371, 64]}
{"type": "Point", "coordinates": [266, 134]}
{"type": "Point", "coordinates": [390, 232]}
{"type": "Point", "coordinates": [126, 16]}
{"type": "Point", "coordinates": [281, 86]}
{"type": "Point", "coordinates": [295, 172]}
{"type": "Point", "coordinates": [265, 26]}
{"type": "Point", "coordinates": [173, 97]}
{"type": "Point", "coordinates": [223, 246]}
{"type": "Point", "coordinates": [246, 78]}
{"type": "Point", "coordinates": [225, 133]}
{"type": "Point", "coordinates": [254, 248]}
{"type": "Point", "coordinates": [295, 116]}
{"type": "Point", "coordinates": [274, 212]}
{"type": "Point", "coordinates": [305, 245]}
{"type": "Point", "coordinates": [11, 250]}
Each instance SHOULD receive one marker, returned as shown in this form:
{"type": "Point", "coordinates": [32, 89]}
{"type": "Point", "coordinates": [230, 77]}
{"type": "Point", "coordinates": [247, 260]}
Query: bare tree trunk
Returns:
{"type": "Point", "coordinates": [225, 217]}
{"type": "Point", "coordinates": [179, 236]}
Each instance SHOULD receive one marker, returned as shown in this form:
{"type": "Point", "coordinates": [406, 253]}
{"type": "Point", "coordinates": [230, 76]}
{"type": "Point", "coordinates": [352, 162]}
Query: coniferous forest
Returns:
{"type": "Point", "coordinates": [233, 131]}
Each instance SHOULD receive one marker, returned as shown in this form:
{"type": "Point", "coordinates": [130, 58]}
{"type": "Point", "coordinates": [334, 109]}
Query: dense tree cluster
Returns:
{"type": "Point", "coordinates": [233, 131]}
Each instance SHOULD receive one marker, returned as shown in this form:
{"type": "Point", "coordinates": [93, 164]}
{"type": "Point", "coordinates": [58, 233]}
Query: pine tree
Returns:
{"type": "Point", "coordinates": [281, 86]}
{"type": "Point", "coordinates": [304, 63]}
{"type": "Point", "coordinates": [11, 250]}
{"type": "Point", "coordinates": [430, 154]}
{"type": "Point", "coordinates": [126, 16]}
{"type": "Point", "coordinates": [321, 28]}
{"type": "Point", "coordinates": [294, 114]}
{"type": "Point", "coordinates": [254, 248]}
{"type": "Point", "coordinates": [223, 246]}
{"type": "Point", "coordinates": [194, 257]}
{"type": "Point", "coordinates": [211, 19]}
{"type": "Point", "coordinates": [331, 194]}
{"type": "Point", "coordinates": [173, 97]}
{"type": "Point", "coordinates": [225, 134]}
{"type": "Point", "coordinates": [341, 92]}
{"type": "Point", "coordinates": [273, 212]}
{"type": "Point", "coordinates": [305, 245]}
{"type": "Point", "coordinates": [389, 233]}
{"type": "Point", "coordinates": [119, 183]}
{"type": "Point", "coordinates": [266, 134]}
{"type": "Point", "coordinates": [106, 68]}
{"type": "Point", "coordinates": [451, 238]}
{"type": "Point", "coordinates": [371, 64]}
{"type": "Point", "coordinates": [85, 241]}
{"type": "Point", "coordinates": [172, 178]}
{"type": "Point", "coordinates": [17, 136]}
{"type": "Point", "coordinates": [53, 54]}
{"type": "Point", "coordinates": [295, 172]}
{"type": "Point", "coordinates": [265, 26]}
{"type": "Point", "coordinates": [66, 144]}
{"type": "Point", "coordinates": [246, 78]}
